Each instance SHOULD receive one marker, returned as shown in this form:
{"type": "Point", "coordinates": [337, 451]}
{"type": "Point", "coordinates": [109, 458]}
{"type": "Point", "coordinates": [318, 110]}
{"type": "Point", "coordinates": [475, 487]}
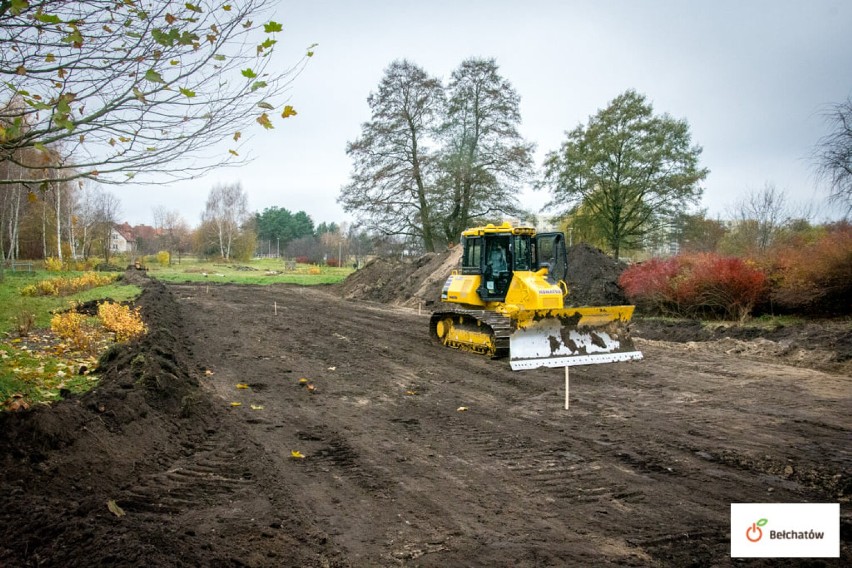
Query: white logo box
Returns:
{"type": "Point", "coordinates": [785, 530]}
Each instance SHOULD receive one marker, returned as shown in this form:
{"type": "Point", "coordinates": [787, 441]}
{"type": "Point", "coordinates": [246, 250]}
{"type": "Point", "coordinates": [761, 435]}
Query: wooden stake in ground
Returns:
{"type": "Point", "coordinates": [275, 305]}
{"type": "Point", "coordinates": [566, 387]}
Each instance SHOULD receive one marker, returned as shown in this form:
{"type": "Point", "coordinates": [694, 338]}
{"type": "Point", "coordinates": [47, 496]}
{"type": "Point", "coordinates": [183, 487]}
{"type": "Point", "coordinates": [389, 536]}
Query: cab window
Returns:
{"type": "Point", "coordinates": [472, 255]}
{"type": "Point", "coordinates": [521, 252]}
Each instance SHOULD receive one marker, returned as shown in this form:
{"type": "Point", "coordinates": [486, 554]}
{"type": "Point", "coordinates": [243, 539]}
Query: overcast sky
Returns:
{"type": "Point", "coordinates": [752, 79]}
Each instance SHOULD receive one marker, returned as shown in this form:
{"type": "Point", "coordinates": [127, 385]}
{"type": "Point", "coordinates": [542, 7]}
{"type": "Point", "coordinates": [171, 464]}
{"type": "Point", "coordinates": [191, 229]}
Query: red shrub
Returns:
{"type": "Point", "coordinates": [650, 283]}
{"type": "Point", "coordinates": [303, 260]}
{"type": "Point", "coordinates": [701, 284]}
{"type": "Point", "coordinates": [815, 278]}
{"type": "Point", "coordinates": [332, 262]}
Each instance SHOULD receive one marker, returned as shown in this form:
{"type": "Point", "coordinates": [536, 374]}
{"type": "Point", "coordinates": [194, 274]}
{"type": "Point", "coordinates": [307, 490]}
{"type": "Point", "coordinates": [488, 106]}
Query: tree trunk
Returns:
{"type": "Point", "coordinates": [44, 230]}
{"type": "Point", "coordinates": [71, 240]}
{"type": "Point", "coordinates": [425, 212]}
{"type": "Point", "coordinates": [58, 223]}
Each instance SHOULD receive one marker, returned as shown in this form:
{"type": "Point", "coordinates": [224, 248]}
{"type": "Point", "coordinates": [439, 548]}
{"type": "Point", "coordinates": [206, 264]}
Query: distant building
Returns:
{"type": "Point", "coordinates": [121, 240]}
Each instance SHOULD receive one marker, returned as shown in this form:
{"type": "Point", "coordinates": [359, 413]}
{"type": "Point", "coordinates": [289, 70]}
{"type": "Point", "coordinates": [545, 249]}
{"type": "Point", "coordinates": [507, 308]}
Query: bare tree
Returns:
{"type": "Point", "coordinates": [168, 224]}
{"type": "Point", "coordinates": [484, 160]}
{"type": "Point", "coordinates": [392, 183]}
{"type": "Point", "coordinates": [760, 215]}
{"type": "Point", "coordinates": [834, 154]}
{"type": "Point", "coordinates": [226, 210]}
{"type": "Point", "coordinates": [129, 88]}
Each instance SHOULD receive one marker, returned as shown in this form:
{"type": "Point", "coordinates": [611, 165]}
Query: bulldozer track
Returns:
{"type": "Point", "coordinates": [501, 327]}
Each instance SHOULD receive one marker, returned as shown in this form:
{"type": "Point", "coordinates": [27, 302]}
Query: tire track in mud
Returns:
{"type": "Point", "coordinates": [209, 476]}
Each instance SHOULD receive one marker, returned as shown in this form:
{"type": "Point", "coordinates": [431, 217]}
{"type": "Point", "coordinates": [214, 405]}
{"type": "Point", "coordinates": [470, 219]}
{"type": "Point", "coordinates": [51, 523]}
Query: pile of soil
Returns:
{"type": "Point", "coordinates": [592, 279]}
{"type": "Point", "coordinates": [403, 282]}
{"type": "Point", "coordinates": [88, 480]}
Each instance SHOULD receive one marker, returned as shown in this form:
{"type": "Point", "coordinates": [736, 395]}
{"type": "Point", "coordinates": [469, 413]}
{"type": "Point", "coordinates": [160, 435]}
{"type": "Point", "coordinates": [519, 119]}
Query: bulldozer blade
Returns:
{"type": "Point", "coordinates": [550, 343]}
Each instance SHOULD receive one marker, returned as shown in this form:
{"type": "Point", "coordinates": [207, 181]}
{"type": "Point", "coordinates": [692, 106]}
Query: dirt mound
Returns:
{"type": "Point", "coordinates": [592, 279]}
{"type": "Point", "coordinates": [402, 282]}
{"type": "Point", "coordinates": [128, 473]}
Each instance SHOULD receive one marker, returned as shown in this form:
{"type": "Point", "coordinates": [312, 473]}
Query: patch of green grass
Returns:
{"type": "Point", "coordinates": [12, 303]}
{"type": "Point", "coordinates": [768, 321]}
{"type": "Point", "coordinates": [261, 271]}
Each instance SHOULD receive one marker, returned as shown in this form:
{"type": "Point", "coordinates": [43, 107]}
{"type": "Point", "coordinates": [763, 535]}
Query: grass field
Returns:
{"type": "Point", "coordinates": [261, 271]}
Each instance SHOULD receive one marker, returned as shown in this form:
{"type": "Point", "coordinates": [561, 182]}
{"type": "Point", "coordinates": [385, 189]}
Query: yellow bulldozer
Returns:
{"type": "Point", "coordinates": [510, 298]}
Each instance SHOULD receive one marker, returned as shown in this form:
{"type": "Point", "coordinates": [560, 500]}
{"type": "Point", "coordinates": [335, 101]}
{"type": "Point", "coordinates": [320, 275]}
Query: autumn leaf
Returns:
{"type": "Point", "coordinates": [170, 19]}
{"type": "Point", "coordinates": [288, 112]}
{"type": "Point", "coordinates": [237, 135]}
{"type": "Point", "coordinates": [236, 403]}
{"type": "Point", "coordinates": [115, 509]}
{"type": "Point", "coordinates": [50, 58]}
{"type": "Point", "coordinates": [187, 93]}
{"type": "Point", "coordinates": [297, 455]}
{"type": "Point", "coordinates": [153, 77]}
{"type": "Point", "coordinates": [233, 152]}
{"type": "Point", "coordinates": [303, 381]}
{"type": "Point", "coordinates": [264, 121]}
{"type": "Point", "coordinates": [193, 8]}
{"type": "Point", "coordinates": [242, 386]}
{"type": "Point", "coordinates": [461, 409]}
{"type": "Point", "coordinates": [249, 73]}
{"type": "Point", "coordinates": [272, 27]}
{"type": "Point", "coordinates": [265, 105]}
{"type": "Point", "coordinates": [227, 7]}
{"type": "Point", "coordinates": [19, 6]}
{"type": "Point", "coordinates": [256, 407]}
{"type": "Point", "coordinates": [48, 18]}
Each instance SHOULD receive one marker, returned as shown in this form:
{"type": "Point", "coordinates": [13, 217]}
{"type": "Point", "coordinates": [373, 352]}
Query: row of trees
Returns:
{"type": "Point", "coordinates": [77, 221]}
{"type": "Point", "coordinates": [66, 221]}
{"type": "Point", "coordinates": [435, 159]}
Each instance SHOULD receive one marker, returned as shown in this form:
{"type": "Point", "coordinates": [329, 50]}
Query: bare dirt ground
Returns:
{"type": "Point", "coordinates": [641, 471]}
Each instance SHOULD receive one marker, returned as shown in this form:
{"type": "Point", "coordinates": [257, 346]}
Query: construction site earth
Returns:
{"type": "Point", "coordinates": [294, 426]}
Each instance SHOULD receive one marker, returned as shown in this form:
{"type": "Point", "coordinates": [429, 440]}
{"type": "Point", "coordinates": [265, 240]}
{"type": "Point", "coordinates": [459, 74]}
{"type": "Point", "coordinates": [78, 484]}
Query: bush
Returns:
{"type": "Point", "coordinates": [163, 258]}
{"type": "Point", "coordinates": [52, 264]}
{"type": "Point", "coordinates": [67, 286]}
{"type": "Point", "coordinates": [303, 260]}
{"type": "Point", "coordinates": [332, 262]}
{"type": "Point", "coordinates": [127, 324]}
{"type": "Point", "coordinates": [696, 285]}
{"type": "Point", "coordinates": [74, 328]}
{"type": "Point", "coordinates": [815, 278]}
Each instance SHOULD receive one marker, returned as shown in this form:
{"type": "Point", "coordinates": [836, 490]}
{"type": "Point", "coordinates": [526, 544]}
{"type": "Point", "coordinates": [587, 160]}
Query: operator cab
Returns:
{"type": "Point", "coordinates": [496, 255]}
